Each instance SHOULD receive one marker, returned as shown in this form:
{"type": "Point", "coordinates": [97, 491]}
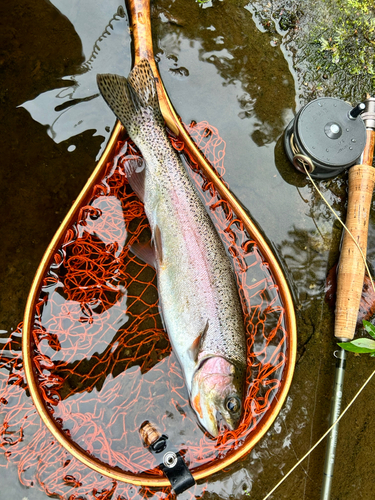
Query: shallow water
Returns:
{"type": "Point", "coordinates": [217, 65]}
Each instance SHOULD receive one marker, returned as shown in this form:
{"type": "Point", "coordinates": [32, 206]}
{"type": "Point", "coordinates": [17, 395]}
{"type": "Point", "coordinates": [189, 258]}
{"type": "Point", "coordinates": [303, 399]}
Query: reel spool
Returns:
{"type": "Point", "coordinates": [326, 137]}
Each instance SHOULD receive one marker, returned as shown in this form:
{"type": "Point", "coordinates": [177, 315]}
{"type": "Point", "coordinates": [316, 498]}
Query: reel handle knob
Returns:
{"type": "Point", "coordinates": [357, 110]}
{"type": "Point", "coordinates": [351, 268]}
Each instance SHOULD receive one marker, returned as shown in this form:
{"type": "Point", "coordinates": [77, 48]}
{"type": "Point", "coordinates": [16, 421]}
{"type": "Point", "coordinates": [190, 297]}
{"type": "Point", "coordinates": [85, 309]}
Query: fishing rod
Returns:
{"type": "Point", "coordinates": [351, 271]}
{"type": "Point", "coordinates": [323, 139]}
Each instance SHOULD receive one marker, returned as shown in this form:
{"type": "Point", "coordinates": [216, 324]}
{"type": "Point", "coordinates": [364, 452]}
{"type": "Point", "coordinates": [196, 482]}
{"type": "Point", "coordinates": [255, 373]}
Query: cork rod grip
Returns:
{"type": "Point", "coordinates": [351, 269]}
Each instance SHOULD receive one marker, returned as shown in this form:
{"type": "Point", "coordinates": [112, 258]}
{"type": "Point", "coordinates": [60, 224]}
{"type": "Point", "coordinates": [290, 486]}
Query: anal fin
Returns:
{"type": "Point", "coordinates": [135, 169]}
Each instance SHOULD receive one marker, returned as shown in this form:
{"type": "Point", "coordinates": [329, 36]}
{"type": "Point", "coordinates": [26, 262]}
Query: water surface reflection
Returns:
{"type": "Point", "coordinates": [219, 67]}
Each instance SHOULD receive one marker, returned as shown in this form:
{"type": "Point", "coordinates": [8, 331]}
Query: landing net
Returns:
{"type": "Point", "coordinates": [102, 359]}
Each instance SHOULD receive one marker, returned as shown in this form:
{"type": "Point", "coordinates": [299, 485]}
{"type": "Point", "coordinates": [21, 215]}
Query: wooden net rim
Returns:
{"type": "Point", "coordinates": [68, 444]}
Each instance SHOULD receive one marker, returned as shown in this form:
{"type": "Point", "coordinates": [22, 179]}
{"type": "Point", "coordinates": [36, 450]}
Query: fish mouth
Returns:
{"type": "Point", "coordinates": [210, 418]}
{"type": "Point", "coordinates": [210, 426]}
{"type": "Point", "coordinates": [214, 423]}
{"type": "Point", "coordinates": [206, 413]}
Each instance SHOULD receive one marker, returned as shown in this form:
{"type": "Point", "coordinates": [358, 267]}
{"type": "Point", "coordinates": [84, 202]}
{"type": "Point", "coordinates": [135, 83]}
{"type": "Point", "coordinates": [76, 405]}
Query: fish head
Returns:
{"type": "Point", "coordinates": [217, 394]}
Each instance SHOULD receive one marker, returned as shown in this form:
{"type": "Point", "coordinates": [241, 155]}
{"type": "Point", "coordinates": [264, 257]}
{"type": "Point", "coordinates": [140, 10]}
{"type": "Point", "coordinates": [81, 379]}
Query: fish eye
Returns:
{"type": "Point", "coordinates": [233, 404]}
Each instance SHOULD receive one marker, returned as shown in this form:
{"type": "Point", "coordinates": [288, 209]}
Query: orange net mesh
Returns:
{"type": "Point", "coordinates": [102, 359]}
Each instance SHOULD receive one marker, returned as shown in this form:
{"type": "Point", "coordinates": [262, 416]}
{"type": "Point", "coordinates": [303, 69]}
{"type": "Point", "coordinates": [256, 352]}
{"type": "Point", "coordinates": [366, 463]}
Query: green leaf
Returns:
{"type": "Point", "coordinates": [370, 328]}
{"type": "Point", "coordinates": [348, 346]}
{"type": "Point", "coordinates": [359, 345]}
{"type": "Point", "coordinates": [366, 343]}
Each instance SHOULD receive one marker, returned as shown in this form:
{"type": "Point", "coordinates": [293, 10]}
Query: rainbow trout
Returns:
{"type": "Point", "coordinates": [197, 289]}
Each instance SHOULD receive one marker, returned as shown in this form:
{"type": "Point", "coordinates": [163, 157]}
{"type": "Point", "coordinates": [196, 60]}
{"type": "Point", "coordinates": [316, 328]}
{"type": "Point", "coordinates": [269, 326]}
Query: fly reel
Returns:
{"type": "Point", "coordinates": [326, 137]}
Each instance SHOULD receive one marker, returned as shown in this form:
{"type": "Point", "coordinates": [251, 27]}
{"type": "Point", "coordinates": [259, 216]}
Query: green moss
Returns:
{"type": "Point", "coordinates": [347, 42]}
{"type": "Point", "coordinates": [331, 42]}
{"type": "Point", "coordinates": [358, 5]}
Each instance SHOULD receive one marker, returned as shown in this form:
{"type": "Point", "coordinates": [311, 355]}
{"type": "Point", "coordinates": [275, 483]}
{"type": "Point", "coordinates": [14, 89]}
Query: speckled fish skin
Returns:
{"type": "Point", "coordinates": [197, 289]}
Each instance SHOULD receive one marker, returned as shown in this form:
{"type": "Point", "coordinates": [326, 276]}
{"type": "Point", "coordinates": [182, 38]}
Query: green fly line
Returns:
{"type": "Point", "coordinates": [321, 439]}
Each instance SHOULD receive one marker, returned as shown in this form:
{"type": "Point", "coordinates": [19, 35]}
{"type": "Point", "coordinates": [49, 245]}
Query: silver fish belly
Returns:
{"type": "Point", "coordinates": [197, 288]}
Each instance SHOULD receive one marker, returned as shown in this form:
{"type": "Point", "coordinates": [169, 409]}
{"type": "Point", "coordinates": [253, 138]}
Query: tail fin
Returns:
{"type": "Point", "coordinates": [132, 98]}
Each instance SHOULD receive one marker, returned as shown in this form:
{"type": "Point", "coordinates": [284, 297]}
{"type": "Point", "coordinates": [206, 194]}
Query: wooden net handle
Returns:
{"type": "Point", "coordinates": [351, 269]}
{"type": "Point", "coordinates": [143, 49]}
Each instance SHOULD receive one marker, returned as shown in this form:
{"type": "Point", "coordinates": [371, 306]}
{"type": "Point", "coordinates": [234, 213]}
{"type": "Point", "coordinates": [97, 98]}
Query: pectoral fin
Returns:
{"type": "Point", "coordinates": [197, 344]}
